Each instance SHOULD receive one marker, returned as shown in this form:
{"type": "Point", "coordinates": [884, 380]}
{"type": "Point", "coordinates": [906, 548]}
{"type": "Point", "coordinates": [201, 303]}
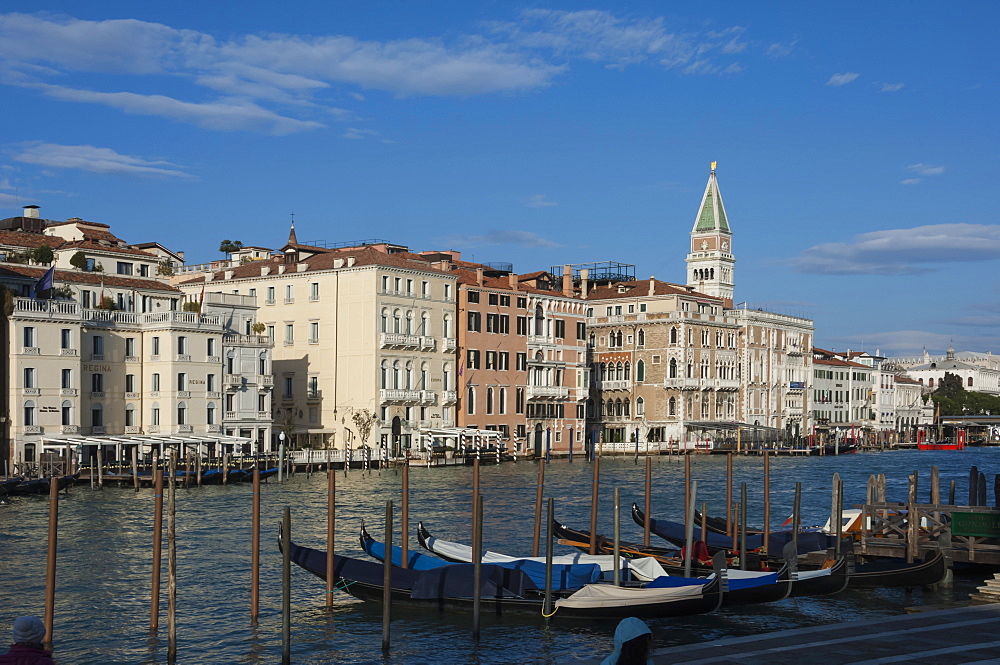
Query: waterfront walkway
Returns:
{"type": "Point", "coordinates": [941, 637]}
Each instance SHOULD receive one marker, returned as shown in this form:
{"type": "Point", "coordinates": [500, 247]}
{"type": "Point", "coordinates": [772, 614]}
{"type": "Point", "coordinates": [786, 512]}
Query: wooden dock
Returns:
{"type": "Point", "coordinates": [943, 637]}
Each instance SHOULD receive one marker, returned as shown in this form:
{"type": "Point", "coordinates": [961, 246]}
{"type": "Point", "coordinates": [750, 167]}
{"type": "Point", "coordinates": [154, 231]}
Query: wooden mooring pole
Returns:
{"type": "Point", "coordinates": [154, 608]}
{"type": "Point", "coordinates": [255, 548]}
{"type": "Point", "coordinates": [172, 561]}
{"type": "Point", "coordinates": [743, 526]}
{"type": "Point", "coordinates": [912, 522]}
{"type": "Point", "coordinates": [404, 523]}
{"type": "Point", "coordinates": [595, 482]}
{"type": "Point", "coordinates": [689, 529]}
{"type": "Point", "coordinates": [687, 490]}
{"type": "Point", "coordinates": [477, 564]}
{"type": "Point", "coordinates": [729, 493]}
{"type": "Point", "coordinates": [767, 502]}
{"type": "Point", "coordinates": [618, 536]}
{"type": "Point", "coordinates": [286, 587]}
{"type": "Point", "coordinates": [387, 578]}
{"type": "Point", "coordinates": [331, 512]}
{"type": "Point", "coordinates": [649, 488]}
{"type": "Point", "coordinates": [547, 602]}
{"type": "Point", "coordinates": [50, 563]}
{"type": "Point", "coordinates": [539, 488]}
{"type": "Point", "coordinates": [135, 467]}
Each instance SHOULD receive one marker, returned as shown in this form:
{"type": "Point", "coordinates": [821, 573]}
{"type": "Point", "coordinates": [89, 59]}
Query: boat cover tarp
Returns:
{"type": "Point", "coordinates": [812, 574]}
{"type": "Point", "coordinates": [454, 581]}
{"type": "Point", "coordinates": [809, 541]}
{"type": "Point", "coordinates": [738, 579]}
{"type": "Point", "coordinates": [608, 595]}
{"type": "Point", "coordinates": [564, 576]}
{"type": "Point", "coordinates": [643, 568]}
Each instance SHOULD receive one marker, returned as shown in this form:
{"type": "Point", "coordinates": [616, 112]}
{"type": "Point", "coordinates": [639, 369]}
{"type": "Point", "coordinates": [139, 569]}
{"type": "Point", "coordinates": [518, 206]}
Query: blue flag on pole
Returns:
{"type": "Point", "coordinates": [44, 283]}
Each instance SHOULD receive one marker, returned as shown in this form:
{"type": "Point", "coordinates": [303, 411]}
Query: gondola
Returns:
{"type": "Point", "coordinates": [264, 474]}
{"type": "Point", "coordinates": [669, 558]}
{"type": "Point", "coordinates": [565, 577]}
{"type": "Point", "coordinates": [10, 483]}
{"type": "Point", "coordinates": [896, 573]}
{"type": "Point", "coordinates": [41, 485]}
{"type": "Point", "coordinates": [822, 581]}
{"type": "Point", "coordinates": [504, 591]}
{"type": "Point", "coordinates": [643, 569]}
{"type": "Point", "coordinates": [673, 532]}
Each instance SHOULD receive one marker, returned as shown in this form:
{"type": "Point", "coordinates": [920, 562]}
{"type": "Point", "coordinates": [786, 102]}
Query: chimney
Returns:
{"type": "Point", "coordinates": [31, 212]}
{"type": "Point", "coordinates": [513, 281]}
{"type": "Point", "coordinates": [584, 274]}
{"type": "Point", "coordinates": [567, 281]}
{"type": "Point", "coordinates": [479, 276]}
{"type": "Point", "coordinates": [652, 285]}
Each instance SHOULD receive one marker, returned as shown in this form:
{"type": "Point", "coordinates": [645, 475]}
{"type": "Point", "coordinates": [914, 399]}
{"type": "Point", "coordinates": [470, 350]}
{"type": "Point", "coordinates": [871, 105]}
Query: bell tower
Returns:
{"type": "Point", "coordinates": [710, 261]}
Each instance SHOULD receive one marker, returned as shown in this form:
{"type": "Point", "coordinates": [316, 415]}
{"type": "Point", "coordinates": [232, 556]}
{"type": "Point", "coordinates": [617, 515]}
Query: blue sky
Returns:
{"type": "Point", "coordinates": [856, 142]}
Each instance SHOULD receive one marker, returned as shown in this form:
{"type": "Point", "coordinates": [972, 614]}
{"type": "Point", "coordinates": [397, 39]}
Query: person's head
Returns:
{"type": "Point", "coordinates": [28, 630]}
{"type": "Point", "coordinates": [632, 639]}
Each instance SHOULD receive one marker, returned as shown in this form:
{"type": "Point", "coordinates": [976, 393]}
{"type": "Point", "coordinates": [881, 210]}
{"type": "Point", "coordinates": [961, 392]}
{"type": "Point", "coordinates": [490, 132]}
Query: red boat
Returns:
{"type": "Point", "coordinates": [958, 443]}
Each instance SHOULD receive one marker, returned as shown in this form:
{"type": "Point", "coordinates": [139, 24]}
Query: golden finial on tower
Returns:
{"type": "Point", "coordinates": [713, 167]}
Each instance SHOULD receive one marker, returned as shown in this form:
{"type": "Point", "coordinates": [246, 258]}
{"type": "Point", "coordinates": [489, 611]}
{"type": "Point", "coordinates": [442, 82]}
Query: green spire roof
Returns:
{"type": "Point", "coordinates": [711, 214]}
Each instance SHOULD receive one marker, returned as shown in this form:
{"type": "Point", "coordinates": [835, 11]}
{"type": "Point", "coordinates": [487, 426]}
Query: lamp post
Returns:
{"type": "Point", "coordinates": [281, 456]}
{"type": "Point", "coordinates": [836, 441]}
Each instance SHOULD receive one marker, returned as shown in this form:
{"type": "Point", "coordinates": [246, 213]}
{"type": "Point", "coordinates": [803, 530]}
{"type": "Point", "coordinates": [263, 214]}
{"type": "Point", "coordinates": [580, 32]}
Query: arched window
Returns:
{"type": "Point", "coordinates": [154, 414]}
{"type": "Point", "coordinates": [590, 408]}
{"type": "Point", "coordinates": [640, 407]}
{"type": "Point", "coordinates": [409, 375]}
{"type": "Point", "coordinates": [446, 324]}
{"type": "Point", "coordinates": [611, 407]}
{"type": "Point", "coordinates": [619, 372]}
{"type": "Point", "coordinates": [640, 371]}
{"type": "Point", "coordinates": [930, 383]}
{"type": "Point", "coordinates": [385, 320]}
{"type": "Point", "coordinates": [673, 368]}
{"type": "Point", "coordinates": [67, 413]}
{"type": "Point", "coordinates": [425, 324]}
{"type": "Point", "coordinates": [604, 372]}
{"type": "Point", "coordinates": [628, 371]}
{"type": "Point", "coordinates": [618, 338]}
{"type": "Point", "coordinates": [425, 378]}
{"type": "Point", "coordinates": [397, 321]}
{"type": "Point", "coordinates": [210, 413]}
{"type": "Point", "coordinates": [385, 374]}
{"type": "Point", "coordinates": [970, 381]}
{"type": "Point", "coordinates": [539, 320]}
{"type": "Point", "coordinates": [130, 415]}
{"type": "Point", "coordinates": [397, 375]}
{"type": "Point", "coordinates": [690, 370]}
{"type": "Point", "coordinates": [470, 401]}
{"type": "Point", "coordinates": [181, 413]}
{"type": "Point", "coordinates": [29, 413]}
{"type": "Point", "coordinates": [672, 407]}
{"type": "Point", "coordinates": [262, 363]}
{"type": "Point", "coordinates": [641, 337]}
{"type": "Point", "coordinates": [409, 322]}
{"type": "Point", "coordinates": [489, 401]}
{"type": "Point", "coordinates": [673, 335]}
{"type": "Point", "coordinates": [446, 377]}
{"type": "Point", "coordinates": [502, 401]}
{"type": "Point", "coordinates": [626, 407]}
{"type": "Point", "coordinates": [231, 362]}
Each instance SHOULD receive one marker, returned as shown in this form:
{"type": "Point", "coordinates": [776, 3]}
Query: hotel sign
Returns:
{"type": "Point", "coordinates": [985, 525]}
{"type": "Point", "coordinates": [797, 385]}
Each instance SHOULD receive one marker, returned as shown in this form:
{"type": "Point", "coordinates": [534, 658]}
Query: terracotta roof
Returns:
{"type": "Point", "coordinates": [98, 247]}
{"type": "Point", "coordinates": [77, 220]}
{"type": "Point", "coordinates": [639, 288]}
{"type": "Point", "coordinates": [25, 239]}
{"type": "Point", "coordinates": [469, 279]}
{"type": "Point", "coordinates": [75, 277]}
{"type": "Point", "coordinates": [906, 379]}
{"type": "Point", "coordinates": [362, 257]}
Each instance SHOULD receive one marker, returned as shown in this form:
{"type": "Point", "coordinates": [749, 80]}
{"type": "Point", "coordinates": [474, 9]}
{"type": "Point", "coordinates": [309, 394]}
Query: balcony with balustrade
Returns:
{"type": "Point", "coordinates": [428, 397]}
{"type": "Point", "coordinates": [615, 384]}
{"type": "Point", "coordinates": [548, 392]}
{"type": "Point", "coordinates": [449, 396]}
{"type": "Point", "coordinates": [397, 395]}
{"type": "Point", "coordinates": [682, 383]}
{"type": "Point", "coordinates": [401, 340]}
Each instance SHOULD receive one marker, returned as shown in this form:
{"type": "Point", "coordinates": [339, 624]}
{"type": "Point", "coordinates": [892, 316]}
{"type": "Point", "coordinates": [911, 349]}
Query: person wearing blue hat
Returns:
{"type": "Point", "coordinates": [28, 633]}
{"type": "Point", "coordinates": [632, 642]}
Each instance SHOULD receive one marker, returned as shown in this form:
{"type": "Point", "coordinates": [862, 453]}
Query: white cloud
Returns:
{"type": "Point", "coordinates": [94, 160]}
{"type": "Point", "coordinates": [358, 134]}
{"type": "Point", "coordinates": [911, 181]}
{"type": "Point", "coordinates": [501, 237]}
{"type": "Point", "coordinates": [539, 201]}
{"type": "Point", "coordinates": [892, 87]}
{"type": "Point", "coordinates": [843, 79]}
{"type": "Point", "coordinates": [780, 50]}
{"type": "Point", "coordinates": [903, 251]}
{"type": "Point", "coordinates": [925, 169]}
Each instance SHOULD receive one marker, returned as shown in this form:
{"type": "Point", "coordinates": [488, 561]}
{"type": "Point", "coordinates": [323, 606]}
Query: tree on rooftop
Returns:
{"type": "Point", "coordinates": [79, 261]}
{"type": "Point", "coordinates": [42, 254]}
{"type": "Point", "coordinates": [230, 246]}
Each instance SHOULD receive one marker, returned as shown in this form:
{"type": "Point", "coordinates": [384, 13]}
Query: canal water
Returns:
{"type": "Point", "coordinates": [103, 581]}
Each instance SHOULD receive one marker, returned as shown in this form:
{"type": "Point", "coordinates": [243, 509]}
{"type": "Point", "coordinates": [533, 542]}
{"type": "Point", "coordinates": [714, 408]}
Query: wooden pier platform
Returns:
{"type": "Point", "coordinates": [942, 637]}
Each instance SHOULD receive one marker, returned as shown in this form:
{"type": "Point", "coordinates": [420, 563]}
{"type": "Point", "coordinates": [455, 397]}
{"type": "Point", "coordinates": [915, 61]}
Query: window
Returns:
{"type": "Point", "coordinates": [519, 403]}
{"type": "Point", "coordinates": [154, 414]}
{"type": "Point", "coordinates": [130, 415]}
{"type": "Point", "coordinates": [181, 413]}
{"type": "Point", "coordinates": [385, 284]}
{"type": "Point", "coordinates": [97, 383]}
{"type": "Point", "coordinates": [67, 413]}
{"type": "Point", "coordinates": [181, 381]}
{"type": "Point", "coordinates": [65, 338]}
{"type": "Point", "coordinates": [399, 284]}
{"type": "Point", "coordinates": [210, 348]}
{"type": "Point", "coordinates": [409, 287]}
{"type": "Point", "coordinates": [252, 293]}
{"type": "Point", "coordinates": [491, 360]}
{"type": "Point", "coordinates": [503, 360]}
{"type": "Point", "coordinates": [313, 386]}
{"type": "Point", "coordinates": [475, 321]}
{"type": "Point", "coordinates": [288, 386]}
{"type": "Point", "coordinates": [210, 413]}
{"type": "Point", "coordinates": [29, 336]}
{"type": "Point", "coordinates": [640, 371]}
{"type": "Point", "coordinates": [581, 330]}
{"type": "Point", "coordinates": [446, 326]}
{"type": "Point", "coordinates": [182, 345]}
{"type": "Point", "coordinates": [522, 325]}
{"type": "Point", "coordinates": [289, 334]}
{"type": "Point", "coordinates": [447, 291]}
{"type": "Point", "coordinates": [641, 337]}
{"type": "Point", "coordinates": [270, 296]}
{"type": "Point", "coordinates": [314, 291]}
{"type": "Point", "coordinates": [155, 382]}
{"type": "Point", "coordinates": [289, 293]}
{"type": "Point", "coordinates": [67, 379]}
{"type": "Point", "coordinates": [560, 328]}
{"type": "Point", "coordinates": [425, 289]}
{"type": "Point", "coordinates": [261, 403]}
{"type": "Point", "coordinates": [124, 268]}
{"type": "Point", "coordinates": [130, 383]}
{"type": "Point", "coordinates": [522, 362]}
{"type": "Point", "coordinates": [473, 296]}
{"type": "Point", "coordinates": [472, 359]}
{"type": "Point", "coordinates": [29, 377]}
{"type": "Point", "coordinates": [97, 415]}
{"type": "Point", "coordinates": [210, 383]}
{"type": "Point", "coordinates": [640, 407]}
{"type": "Point", "coordinates": [156, 346]}
{"type": "Point", "coordinates": [98, 345]}
{"type": "Point", "coordinates": [489, 401]}
{"type": "Point", "coordinates": [493, 299]}
{"type": "Point", "coordinates": [314, 332]}
{"type": "Point", "coordinates": [502, 401]}
{"type": "Point", "coordinates": [470, 401]}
